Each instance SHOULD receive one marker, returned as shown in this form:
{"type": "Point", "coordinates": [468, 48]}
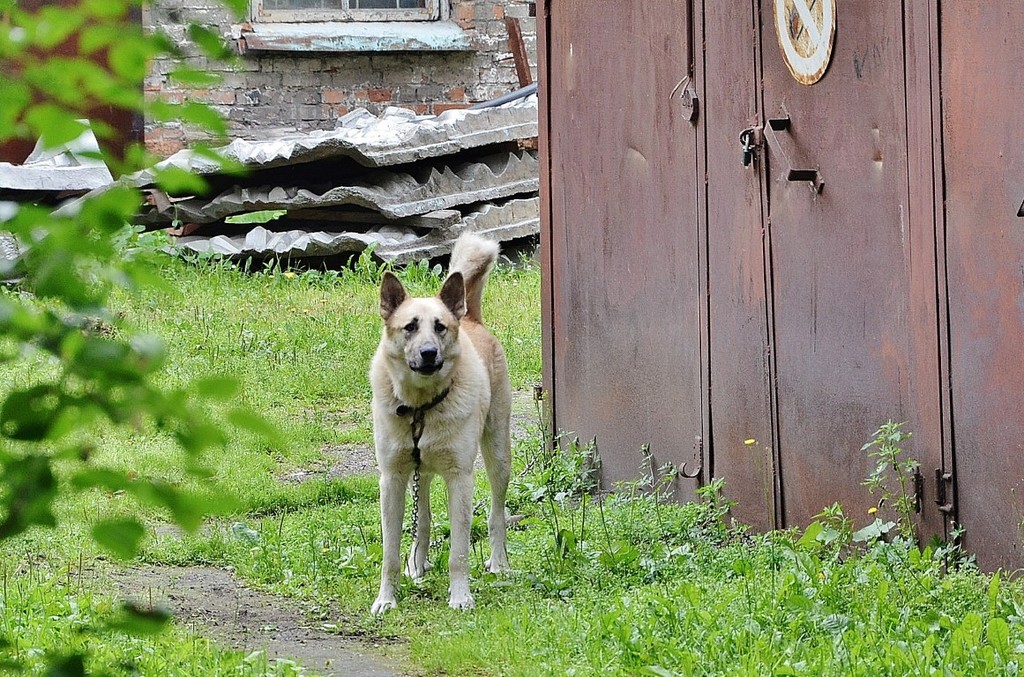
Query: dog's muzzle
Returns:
{"type": "Point", "coordinates": [429, 361]}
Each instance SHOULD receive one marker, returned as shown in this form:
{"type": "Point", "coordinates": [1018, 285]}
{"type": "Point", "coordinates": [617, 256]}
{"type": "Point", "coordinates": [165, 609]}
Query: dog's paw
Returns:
{"type": "Point", "coordinates": [463, 602]}
{"type": "Point", "coordinates": [382, 604]}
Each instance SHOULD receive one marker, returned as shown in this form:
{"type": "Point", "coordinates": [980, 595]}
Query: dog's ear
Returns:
{"type": "Point", "coordinates": [392, 294]}
{"type": "Point", "coordinates": [453, 294]}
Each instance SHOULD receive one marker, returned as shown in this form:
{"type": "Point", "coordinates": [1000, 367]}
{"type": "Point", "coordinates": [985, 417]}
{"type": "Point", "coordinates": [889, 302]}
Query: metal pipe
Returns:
{"type": "Point", "coordinates": [506, 98]}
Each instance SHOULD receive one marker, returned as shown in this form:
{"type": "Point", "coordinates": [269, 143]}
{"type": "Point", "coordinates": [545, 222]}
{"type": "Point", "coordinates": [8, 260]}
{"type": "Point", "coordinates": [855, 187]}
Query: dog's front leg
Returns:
{"type": "Point", "coordinates": [392, 507]}
{"type": "Point", "coordinates": [460, 515]}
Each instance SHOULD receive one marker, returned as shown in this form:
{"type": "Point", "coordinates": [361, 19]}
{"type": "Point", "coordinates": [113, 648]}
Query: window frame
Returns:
{"type": "Point", "coordinates": [432, 12]}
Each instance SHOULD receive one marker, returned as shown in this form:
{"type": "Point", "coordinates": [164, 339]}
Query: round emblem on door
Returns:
{"type": "Point", "coordinates": [806, 30]}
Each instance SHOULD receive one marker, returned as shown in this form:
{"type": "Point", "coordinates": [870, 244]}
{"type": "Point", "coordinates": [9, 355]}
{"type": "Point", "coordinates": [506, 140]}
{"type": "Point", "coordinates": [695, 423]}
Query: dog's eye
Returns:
{"type": "Point", "coordinates": [411, 327]}
{"type": "Point", "coordinates": [439, 327]}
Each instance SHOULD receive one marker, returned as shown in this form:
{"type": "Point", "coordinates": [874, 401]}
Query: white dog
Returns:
{"type": "Point", "coordinates": [440, 391]}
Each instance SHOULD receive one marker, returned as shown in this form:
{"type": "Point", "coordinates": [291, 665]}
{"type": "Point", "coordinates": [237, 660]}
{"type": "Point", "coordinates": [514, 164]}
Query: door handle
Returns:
{"type": "Point", "coordinates": [782, 124]}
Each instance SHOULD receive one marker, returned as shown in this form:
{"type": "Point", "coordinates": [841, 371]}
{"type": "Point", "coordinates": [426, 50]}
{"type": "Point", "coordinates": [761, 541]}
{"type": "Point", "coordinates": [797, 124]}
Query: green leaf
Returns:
{"type": "Point", "coordinates": [129, 56]}
{"type": "Point", "coordinates": [66, 666]}
{"type": "Point", "coordinates": [221, 388]}
{"type": "Point", "coordinates": [209, 42]}
{"type": "Point", "coordinates": [253, 422]}
{"type": "Point", "coordinates": [240, 8]}
{"type": "Point", "coordinates": [203, 117]}
{"type": "Point", "coordinates": [29, 414]}
{"type": "Point", "coordinates": [993, 592]}
{"type": "Point", "coordinates": [122, 537]}
{"type": "Point", "coordinates": [742, 566]}
{"type": "Point", "coordinates": [105, 9]}
{"type": "Point", "coordinates": [263, 216]}
{"type": "Point", "coordinates": [194, 77]}
{"type": "Point", "coordinates": [54, 125]}
{"type": "Point", "coordinates": [177, 181]}
{"type": "Point", "coordinates": [873, 531]}
{"type": "Point", "coordinates": [31, 488]}
{"type": "Point", "coordinates": [98, 355]}
{"type": "Point", "coordinates": [186, 509]}
{"type": "Point", "coordinates": [15, 97]}
{"type": "Point", "coordinates": [810, 536]}
{"type": "Point", "coordinates": [95, 37]}
{"type": "Point", "coordinates": [139, 620]}
{"type": "Point", "coordinates": [225, 165]}
{"type": "Point", "coordinates": [109, 211]}
{"type": "Point", "coordinates": [149, 353]}
{"type": "Point", "coordinates": [197, 437]}
{"type": "Point", "coordinates": [52, 25]}
{"type": "Point", "coordinates": [105, 478]}
{"type": "Point", "coordinates": [998, 633]}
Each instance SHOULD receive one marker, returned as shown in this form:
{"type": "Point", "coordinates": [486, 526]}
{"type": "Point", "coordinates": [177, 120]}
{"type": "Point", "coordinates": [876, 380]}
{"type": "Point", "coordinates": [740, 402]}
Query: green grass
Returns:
{"type": "Point", "coordinates": [629, 584]}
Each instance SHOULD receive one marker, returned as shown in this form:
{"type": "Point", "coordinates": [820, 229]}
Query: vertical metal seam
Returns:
{"type": "Point", "coordinates": [547, 230]}
{"type": "Point", "coordinates": [942, 278]}
{"type": "Point", "coordinates": [702, 215]}
{"type": "Point", "coordinates": [779, 518]}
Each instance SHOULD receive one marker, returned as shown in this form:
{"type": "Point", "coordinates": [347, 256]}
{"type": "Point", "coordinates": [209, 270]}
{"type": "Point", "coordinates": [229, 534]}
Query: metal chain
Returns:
{"type": "Point", "coordinates": [415, 500]}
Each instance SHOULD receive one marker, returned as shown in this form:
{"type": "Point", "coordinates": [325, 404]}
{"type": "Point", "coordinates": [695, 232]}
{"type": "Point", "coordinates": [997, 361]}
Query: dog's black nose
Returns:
{"type": "Point", "coordinates": [428, 355]}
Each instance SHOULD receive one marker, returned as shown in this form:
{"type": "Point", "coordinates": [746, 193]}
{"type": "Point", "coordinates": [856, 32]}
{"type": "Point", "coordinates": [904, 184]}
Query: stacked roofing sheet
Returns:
{"type": "Point", "coordinates": [406, 184]}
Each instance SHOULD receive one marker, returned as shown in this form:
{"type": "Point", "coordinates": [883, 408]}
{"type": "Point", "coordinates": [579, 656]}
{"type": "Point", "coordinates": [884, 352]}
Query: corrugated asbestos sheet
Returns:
{"type": "Point", "coordinates": [71, 168]}
{"type": "Point", "coordinates": [509, 221]}
{"type": "Point", "coordinates": [405, 184]}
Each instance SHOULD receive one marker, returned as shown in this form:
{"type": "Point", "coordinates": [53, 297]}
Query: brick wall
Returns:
{"type": "Point", "coordinates": [279, 90]}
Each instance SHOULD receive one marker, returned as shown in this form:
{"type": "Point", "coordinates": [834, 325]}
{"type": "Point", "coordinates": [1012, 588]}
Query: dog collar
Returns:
{"type": "Point", "coordinates": [405, 409]}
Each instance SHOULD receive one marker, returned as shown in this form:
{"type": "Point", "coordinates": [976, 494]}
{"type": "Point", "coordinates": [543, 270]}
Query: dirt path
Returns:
{"type": "Point", "coordinates": [244, 619]}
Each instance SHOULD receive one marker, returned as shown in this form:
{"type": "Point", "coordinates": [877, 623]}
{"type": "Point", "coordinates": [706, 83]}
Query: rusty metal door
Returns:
{"type": "Point", "coordinates": [741, 425]}
{"type": "Point", "coordinates": [982, 58]}
{"type": "Point", "coordinates": [622, 246]}
{"type": "Point", "coordinates": [843, 260]}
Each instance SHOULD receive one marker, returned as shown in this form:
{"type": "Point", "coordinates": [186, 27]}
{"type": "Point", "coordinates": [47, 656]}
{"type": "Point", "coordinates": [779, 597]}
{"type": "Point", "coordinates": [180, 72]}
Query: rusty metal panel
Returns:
{"type": "Point", "coordinates": [927, 324]}
{"type": "Point", "coordinates": [740, 373]}
{"type": "Point", "coordinates": [982, 119]}
{"type": "Point", "coordinates": [842, 260]}
{"type": "Point", "coordinates": [624, 277]}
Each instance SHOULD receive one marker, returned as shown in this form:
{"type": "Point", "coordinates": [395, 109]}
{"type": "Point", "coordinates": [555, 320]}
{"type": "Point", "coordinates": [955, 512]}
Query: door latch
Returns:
{"type": "Point", "coordinates": [943, 491]}
{"type": "Point", "coordinates": [750, 143]}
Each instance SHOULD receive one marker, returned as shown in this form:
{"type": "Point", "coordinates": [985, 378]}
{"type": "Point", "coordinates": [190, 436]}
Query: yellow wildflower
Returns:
{"type": "Point", "coordinates": [751, 442]}
{"type": "Point", "coordinates": [872, 510]}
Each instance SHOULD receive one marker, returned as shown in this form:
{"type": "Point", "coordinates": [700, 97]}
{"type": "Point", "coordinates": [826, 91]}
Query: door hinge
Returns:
{"type": "Point", "coordinates": [944, 491]}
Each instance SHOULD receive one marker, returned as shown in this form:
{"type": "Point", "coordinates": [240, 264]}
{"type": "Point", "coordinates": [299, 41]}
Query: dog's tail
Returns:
{"type": "Point", "coordinates": [473, 256]}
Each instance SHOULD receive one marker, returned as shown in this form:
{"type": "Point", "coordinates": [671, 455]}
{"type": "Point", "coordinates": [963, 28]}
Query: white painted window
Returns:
{"type": "Point", "coordinates": [345, 10]}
